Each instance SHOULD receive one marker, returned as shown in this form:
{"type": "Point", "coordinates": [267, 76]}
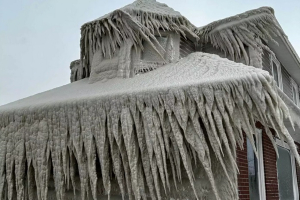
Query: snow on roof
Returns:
{"type": "Point", "coordinates": [200, 104]}
{"type": "Point", "coordinates": [147, 6]}
{"type": "Point", "coordinates": [236, 19]}
{"type": "Point", "coordinates": [233, 34]}
{"type": "Point", "coordinates": [196, 69]}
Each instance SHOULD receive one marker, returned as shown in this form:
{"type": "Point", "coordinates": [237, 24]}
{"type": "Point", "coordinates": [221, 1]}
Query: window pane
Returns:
{"type": "Point", "coordinates": [285, 179]}
{"type": "Point", "coordinates": [275, 74]}
{"type": "Point", "coordinates": [253, 172]}
{"type": "Point", "coordinates": [149, 54]}
{"type": "Point", "coordinates": [295, 94]}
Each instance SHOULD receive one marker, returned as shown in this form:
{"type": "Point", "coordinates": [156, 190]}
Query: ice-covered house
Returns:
{"type": "Point", "coordinates": [161, 109]}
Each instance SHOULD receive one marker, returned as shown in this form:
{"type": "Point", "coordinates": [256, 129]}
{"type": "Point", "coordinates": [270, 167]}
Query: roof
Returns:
{"type": "Point", "coordinates": [146, 6]}
{"type": "Point", "coordinates": [147, 120]}
{"type": "Point", "coordinates": [196, 69]}
{"type": "Point", "coordinates": [251, 15]}
{"type": "Point", "coordinates": [233, 34]}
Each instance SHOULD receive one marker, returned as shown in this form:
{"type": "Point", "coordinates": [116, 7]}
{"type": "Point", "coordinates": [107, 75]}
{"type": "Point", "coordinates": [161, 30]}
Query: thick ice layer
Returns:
{"type": "Point", "coordinates": [235, 34]}
{"type": "Point", "coordinates": [149, 133]}
{"type": "Point", "coordinates": [137, 22]}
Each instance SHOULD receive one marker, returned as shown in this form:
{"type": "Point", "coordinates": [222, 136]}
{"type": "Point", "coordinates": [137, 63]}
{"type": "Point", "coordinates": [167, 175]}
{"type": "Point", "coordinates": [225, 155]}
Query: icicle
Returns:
{"type": "Point", "coordinates": [116, 158]}
{"type": "Point", "coordinates": [3, 142]}
{"type": "Point", "coordinates": [90, 149]}
{"type": "Point", "coordinates": [141, 139]}
{"type": "Point", "coordinates": [201, 148]}
{"type": "Point", "coordinates": [125, 24]}
{"type": "Point", "coordinates": [142, 146]}
{"type": "Point", "coordinates": [131, 148]}
{"type": "Point", "coordinates": [227, 43]}
{"type": "Point", "coordinates": [158, 130]}
{"type": "Point", "coordinates": [103, 148]}
{"type": "Point", "coordinates": [242, 47]}
{"type": "Point", "coordinates": [245, 27]}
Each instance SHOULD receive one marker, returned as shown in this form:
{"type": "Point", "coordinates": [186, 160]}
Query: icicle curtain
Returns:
{"type": "Point", "coordinates": [135, 25]}
{"type": "Point", "coordinates": [145, 140]}
{"type": "Point", "coordinates": [232, 35]}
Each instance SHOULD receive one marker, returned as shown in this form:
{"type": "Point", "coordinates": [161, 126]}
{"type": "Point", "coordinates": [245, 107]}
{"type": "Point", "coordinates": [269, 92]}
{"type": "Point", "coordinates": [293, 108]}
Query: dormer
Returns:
{"type": "Point", "coordinates": [135, 39]}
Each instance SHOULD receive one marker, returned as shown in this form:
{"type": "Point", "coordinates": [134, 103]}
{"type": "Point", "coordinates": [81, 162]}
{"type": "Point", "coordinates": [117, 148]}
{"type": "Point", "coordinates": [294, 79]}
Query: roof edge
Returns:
{"type": "Point", "coordinates": [241, 16]}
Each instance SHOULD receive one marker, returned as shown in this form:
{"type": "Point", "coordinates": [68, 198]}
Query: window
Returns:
{"type": "Point", "coordinates": [276, 70]}
{"type": "Point", "coordinates": [295, 92]}
{"type": "Point", "coordinates": [148, 59]}
{"type": "Point", "coordinates": [287, 179]}
{"type": "Point", "coordinates": [149, 54]}
{"type": "Point", "coordinates": [256, 170]}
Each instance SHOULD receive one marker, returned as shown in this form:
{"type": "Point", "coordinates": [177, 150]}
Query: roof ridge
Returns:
{"type": "Point", "coordinates": [264, 9]}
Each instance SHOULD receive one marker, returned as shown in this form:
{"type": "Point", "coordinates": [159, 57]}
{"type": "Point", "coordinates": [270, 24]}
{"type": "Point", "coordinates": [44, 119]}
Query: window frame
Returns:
{"type": "Point", "coordinates": [260, 165]}
{"type": "Point", "coordinates": [273, 59]}
{"type": "Point", "coordinates": [261, 169]}
{"type": "Point", "coordinates": [295, 86]}
{"type": "Point", "coordinates": [284, 145]}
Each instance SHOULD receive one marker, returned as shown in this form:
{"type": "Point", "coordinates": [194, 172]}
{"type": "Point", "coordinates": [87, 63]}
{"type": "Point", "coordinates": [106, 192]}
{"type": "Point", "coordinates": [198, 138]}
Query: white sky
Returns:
{"type": "Point", "coordinates": [39, 38]}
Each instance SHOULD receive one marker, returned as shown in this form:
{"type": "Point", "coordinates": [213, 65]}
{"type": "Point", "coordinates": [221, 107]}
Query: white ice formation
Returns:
{"type": "Point", "coordinates": [135, 22]}
{"type": "Point", "coordinates": [144, 137]}
{"type": "Point", "coordinates": [233, 35]}
{"type": "Point", "coordinates": [244, 35]}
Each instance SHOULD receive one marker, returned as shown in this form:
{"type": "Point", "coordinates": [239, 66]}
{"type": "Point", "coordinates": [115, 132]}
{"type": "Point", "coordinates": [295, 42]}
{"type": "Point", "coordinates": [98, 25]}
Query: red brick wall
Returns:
{"type": "Point", "coordinates": [270, 166]}
{"type": "Point", "coordinates": [243, 181]}
{"type": "Point", "coordinates": [270, 169]}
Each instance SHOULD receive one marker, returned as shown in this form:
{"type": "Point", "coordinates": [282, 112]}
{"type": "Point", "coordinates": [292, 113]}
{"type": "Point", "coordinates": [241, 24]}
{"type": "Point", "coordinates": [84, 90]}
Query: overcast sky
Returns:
{"type": "Point", "coordinates": [39, 38]}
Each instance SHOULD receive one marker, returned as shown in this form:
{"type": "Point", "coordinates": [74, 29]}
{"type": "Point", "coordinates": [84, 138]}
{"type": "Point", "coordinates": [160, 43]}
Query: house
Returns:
{"type": "Point", "coordinates": [158, 108]}
{"type": "Point", "coordinates": [269, 177]}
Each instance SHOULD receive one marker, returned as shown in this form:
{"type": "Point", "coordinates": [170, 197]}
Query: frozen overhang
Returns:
{"type": "Point", "coordinates": [191, 111]}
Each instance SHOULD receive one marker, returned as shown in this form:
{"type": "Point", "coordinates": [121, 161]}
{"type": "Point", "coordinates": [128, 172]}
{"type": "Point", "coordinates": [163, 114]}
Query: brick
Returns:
{"type": "Point", "coordinates": [243, 181]}
{"type": "Point", "coordinates": [270, 169]}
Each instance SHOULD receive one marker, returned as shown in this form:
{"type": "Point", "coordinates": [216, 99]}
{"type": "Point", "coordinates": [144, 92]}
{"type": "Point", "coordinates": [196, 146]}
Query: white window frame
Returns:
{"type": "Point", "coordinates": [273, 59]}
{"type": "Point", "coordinates": [283, 144]}
{"type": "Point", "coordinates": [260, 165]}
{"type": "Point", "coordinates": [295, 86]}
{"type": "Point", "coordinates": [261, 169]}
